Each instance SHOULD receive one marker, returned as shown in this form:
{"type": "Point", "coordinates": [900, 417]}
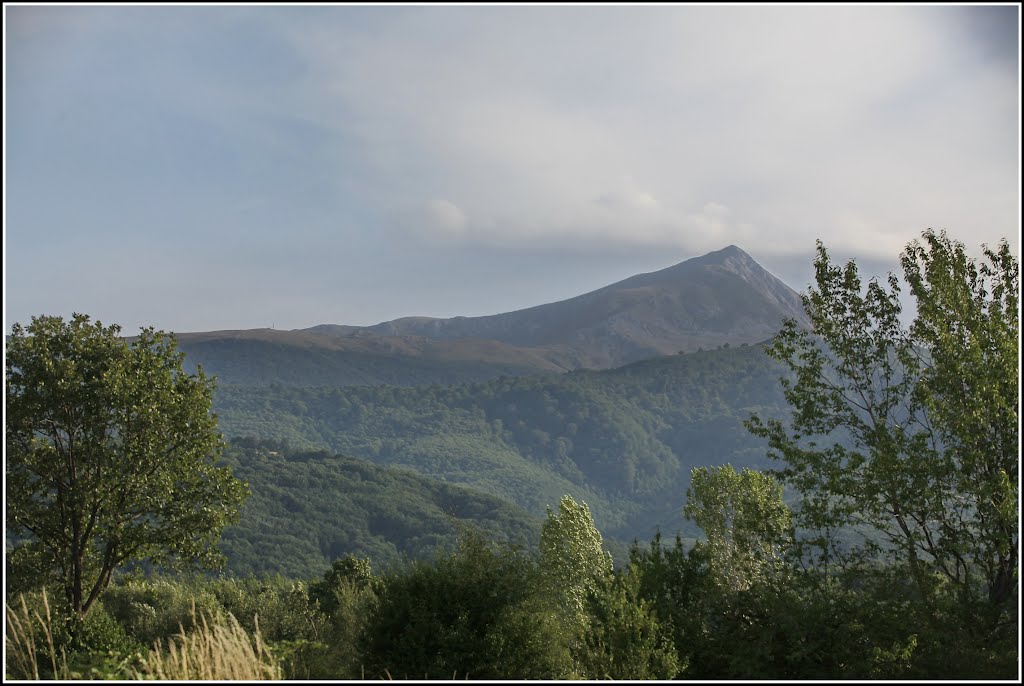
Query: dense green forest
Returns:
{"type": "Point", "coordinates": [624, 440]}
{"type": "Point", "coordinates": [307, 509]}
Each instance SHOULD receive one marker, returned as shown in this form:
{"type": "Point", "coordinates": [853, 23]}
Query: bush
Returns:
{"type": "Point", "coordinates": [284, 608]}
{"type": "Point", "coordinates": [623, 639]}
{"type": "Point", "coordinates": [155, 609]}
{"type": "Point", "coordinates": [529, 641]}
{"type": "Point", "coordinates": [436, 620]}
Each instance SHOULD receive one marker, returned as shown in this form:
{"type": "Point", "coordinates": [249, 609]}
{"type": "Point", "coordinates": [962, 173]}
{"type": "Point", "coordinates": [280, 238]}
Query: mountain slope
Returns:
{"type": "Point", "coordinates": [623, 440]}
{"type": "Point", "coordinates": [722, 297]}
{"type": "Point", "coordinates": [705, 302]}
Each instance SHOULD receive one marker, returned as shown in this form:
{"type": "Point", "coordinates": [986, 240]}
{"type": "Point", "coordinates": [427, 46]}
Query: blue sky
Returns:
{"type": "Point", "coordinates": [201, 167]}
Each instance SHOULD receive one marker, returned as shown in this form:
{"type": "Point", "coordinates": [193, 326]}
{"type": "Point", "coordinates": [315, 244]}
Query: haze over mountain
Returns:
{"type": "Point", "coordinates": [724, 297]}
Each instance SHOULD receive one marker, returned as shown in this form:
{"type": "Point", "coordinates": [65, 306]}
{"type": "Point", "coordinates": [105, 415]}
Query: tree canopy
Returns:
{"type": "Point", "coordinates": [746, 522]}
{"type": "Point", "coordinates": [111, 455]}
{"type": "Point", "coordinates": [910, 434]}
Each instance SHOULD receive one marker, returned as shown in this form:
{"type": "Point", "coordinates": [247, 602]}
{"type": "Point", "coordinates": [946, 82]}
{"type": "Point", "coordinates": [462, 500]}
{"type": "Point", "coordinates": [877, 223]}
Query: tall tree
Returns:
{"type": "Point", "coordinates": [572, 560]}
{"type": "Point", "coordinates": [744, 518]}
{"type": "Point", "coordinates": [911, 433]}
{"type": "Point", "coordinates": [967, 326]}
{"type": "Point", "coordinates": [111, 455]}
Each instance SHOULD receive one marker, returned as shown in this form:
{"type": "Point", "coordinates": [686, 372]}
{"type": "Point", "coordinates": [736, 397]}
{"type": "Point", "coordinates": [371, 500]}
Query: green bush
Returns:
{"type": "Point", "coordinates": [155, 609]}
{"type": "Point", "coordinates": [281, 607]}
{"type": "Point", "coordinates": [529, 640]}
{"type": "Point", "coordinates": [623, 639]}
{"type": "Point", "coordinates": [436, 620]}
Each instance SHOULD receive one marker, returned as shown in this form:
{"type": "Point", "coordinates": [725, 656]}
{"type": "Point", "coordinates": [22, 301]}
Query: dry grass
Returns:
{"type": "Point", "coordinates": [212, 652]}
{"type": "Point", "coordinates": [26, 630]}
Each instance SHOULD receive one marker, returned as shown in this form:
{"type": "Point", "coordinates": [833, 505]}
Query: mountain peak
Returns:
{"type": "Point", "coordinates": [730, 252]}
{"type": "Point", "coordinates": [730, 258]}
{"type": "Point", "coordinates": [721, 297]}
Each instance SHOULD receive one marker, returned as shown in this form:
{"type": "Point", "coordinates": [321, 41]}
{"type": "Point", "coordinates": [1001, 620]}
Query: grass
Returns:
{"type": "Point", "coordinates": [213, 651]}
{"type": "Point", "coordinates": [24, 628]}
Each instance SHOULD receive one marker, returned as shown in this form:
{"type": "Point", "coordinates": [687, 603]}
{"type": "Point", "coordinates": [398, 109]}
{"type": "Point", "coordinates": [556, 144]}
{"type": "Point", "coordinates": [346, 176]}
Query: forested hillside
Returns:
{"type": "Point", "coordinates": [624, 440]}
{"type": "Point", "coordinates": [310, 508]}
{"type": "Point", "coordinates": [263, 356]}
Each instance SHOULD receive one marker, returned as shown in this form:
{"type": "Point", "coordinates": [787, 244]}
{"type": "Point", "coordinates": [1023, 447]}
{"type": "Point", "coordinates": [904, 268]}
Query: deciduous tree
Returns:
{"type": "Point", "coordinates": [111, 455]}
{"type": "Point", "coordinates": [744, 518]}
{"type": "Point", "coordinates": [572, 559]}
{"type": "Point", "coordinates": [911, 433]}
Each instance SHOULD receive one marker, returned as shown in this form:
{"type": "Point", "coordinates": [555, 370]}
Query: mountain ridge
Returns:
{"type": "Point", "coordinates": [722, 297]}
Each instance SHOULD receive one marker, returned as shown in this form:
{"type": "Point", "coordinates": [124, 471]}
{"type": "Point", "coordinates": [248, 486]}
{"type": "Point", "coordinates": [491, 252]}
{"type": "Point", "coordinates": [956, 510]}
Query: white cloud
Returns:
{"type": "Point", "coordinates": [445, 217]}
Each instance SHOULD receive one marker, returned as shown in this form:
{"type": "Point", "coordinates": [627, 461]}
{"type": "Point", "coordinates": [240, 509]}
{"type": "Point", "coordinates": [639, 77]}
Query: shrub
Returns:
{"type": "Point", "coordinates": [155, 609]}
{"type": "Point", "coordinates": [283, 607]}
{"type": "Point", "coordinates": [45, 639]}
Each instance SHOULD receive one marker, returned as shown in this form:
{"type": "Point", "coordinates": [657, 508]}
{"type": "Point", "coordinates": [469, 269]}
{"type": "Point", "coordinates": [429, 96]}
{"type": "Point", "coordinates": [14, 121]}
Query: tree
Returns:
{"type": "Point", "coordinates": [468, 614]}
{"type": "Point", "coordinates": [573, 566]}
{"type": "Point", "coordinates": [969, 391]}
{"type": "Point", "coordinates": [744, 518]}
{"type": "Point", "coordinates": [624, 639]}
{"type": "Point", "coordinates": [918, 426]}
{"type": "Point", "coordinates": [111, 455]}
{"type": "Point", "coordinates": [345, 573]}
{"type": "Point", "coordinates": [572, 560]}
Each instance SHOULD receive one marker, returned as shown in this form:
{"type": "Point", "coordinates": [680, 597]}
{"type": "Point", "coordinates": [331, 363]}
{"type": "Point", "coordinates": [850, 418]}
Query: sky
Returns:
{"type": "Point", "coordinates": [201, 168]}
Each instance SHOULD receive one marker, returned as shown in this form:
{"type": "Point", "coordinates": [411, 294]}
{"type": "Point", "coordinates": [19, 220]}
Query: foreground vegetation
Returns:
{"type": "Point", "coordinates": [491, 611]}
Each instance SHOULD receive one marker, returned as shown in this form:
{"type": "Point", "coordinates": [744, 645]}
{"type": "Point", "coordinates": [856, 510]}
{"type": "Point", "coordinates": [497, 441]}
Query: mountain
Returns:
{"type": "Point", "coordinates": [623, 440]}
{"type": "Point", "coordinates": [724, 297]}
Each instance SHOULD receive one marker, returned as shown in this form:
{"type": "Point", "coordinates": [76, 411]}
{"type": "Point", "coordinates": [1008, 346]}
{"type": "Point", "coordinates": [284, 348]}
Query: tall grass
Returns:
{"type": "Point", "coordinates": [25, 630]}
{"type": "Point", "coordinates": [212, 652]}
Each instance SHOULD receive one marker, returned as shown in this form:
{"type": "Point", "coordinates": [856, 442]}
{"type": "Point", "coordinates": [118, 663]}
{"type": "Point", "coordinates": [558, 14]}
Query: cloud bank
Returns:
{"type": "Point", "coordinates": [683, 127]}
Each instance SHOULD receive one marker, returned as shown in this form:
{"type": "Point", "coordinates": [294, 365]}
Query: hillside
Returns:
{"type": "Point", "coordinates": [263, 356]}
{"type": "Point", "coordinates": [624, 440]}
{"type": "Point", "coordinates": [724, 297]}
{"type": "Point", "coordinates": [310, 508]}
